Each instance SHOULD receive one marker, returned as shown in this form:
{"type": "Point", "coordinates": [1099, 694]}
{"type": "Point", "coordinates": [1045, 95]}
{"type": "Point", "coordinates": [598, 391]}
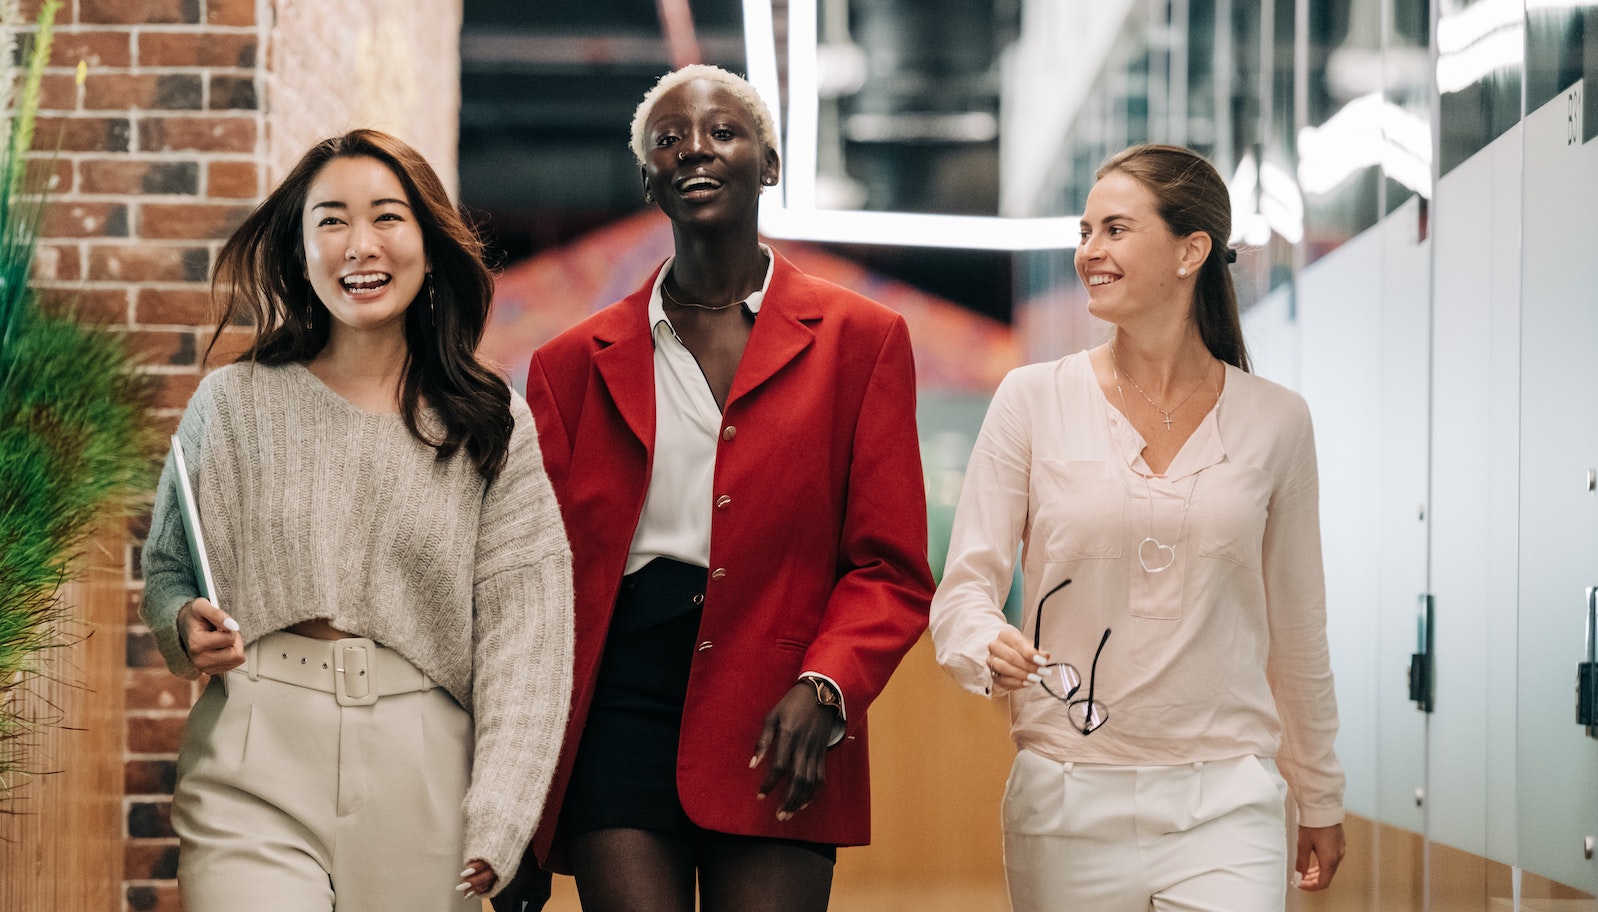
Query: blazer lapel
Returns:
{"type": "Point", "coordinates": [626, 365]}
{"type": "Point", "coordinates": [780, 333]}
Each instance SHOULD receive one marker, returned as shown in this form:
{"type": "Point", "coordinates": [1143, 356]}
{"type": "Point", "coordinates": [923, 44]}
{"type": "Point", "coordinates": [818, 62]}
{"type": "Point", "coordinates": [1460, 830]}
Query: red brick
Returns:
{"type": "Point", "coordinates": [81, 134]}
{"type": "Point", "coordinates": [232, 93]}
{"type": "Point", "coordinates": [140, 12]}
{"type": "Point", "coordinates": [230, 12]}
{"type": "Point", "coordinates": [148, 263]}
{"type": "Point", "coordinates": [149, 777]}
{"type": "Point", "coordinates": [154, 898]}
{"type": "Point", "coordinates": [150, 859]}
{"type": "Point", "coordinates": [53, 172]}
{"type": "Point", "coordinates": [57, 263]}
{"type": "Point", "coordinates": [96, 305]}
{"type": "Point", "coordinates": [69, 219]}
{"type": "Point", "coordinates": [155, 735]}
{"type": "Point", "coordinates": [174, 393]}
{"type": "Point", "coordinates": [173, 306]}
{"type": "Point", "coordinates": [97, 49]}
{"type": "Point", "coordinates": [28, 11]}
{"type": "Point", "coordinates": [163, 347]}
{"type": "Point", "coordinates": [232, 180]}
{"type": "Point", "coordinates": [150, 819]}
{"type": "Point", "coordinates": [130, 177]}
{"type": "Point", "coordinates": [189, 49]}
{"type": "Point", "coordinates": [144, 91]}
{"type": "Point", "coordinates": [142, 651]}
{"type": "Point", "coordinates": [203, 221]}
{"type": "Point", "coordinates": [199, 134]}
{"type": "Point", "coordinates": [156, 688]}
{"type": "Point", "coordinates": [58, 92]}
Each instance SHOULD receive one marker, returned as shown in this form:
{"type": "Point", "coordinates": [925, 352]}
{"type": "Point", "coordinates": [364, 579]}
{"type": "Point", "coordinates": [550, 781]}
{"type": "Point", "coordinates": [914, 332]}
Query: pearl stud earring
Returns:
{"type": "Point", "coordinates": [1182, 272]}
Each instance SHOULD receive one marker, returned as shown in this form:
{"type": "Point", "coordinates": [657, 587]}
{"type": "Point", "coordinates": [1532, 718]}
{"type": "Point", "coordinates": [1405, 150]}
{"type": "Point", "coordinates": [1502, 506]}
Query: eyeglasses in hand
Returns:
{"type": "Point", "coordinates": [1062, 681]}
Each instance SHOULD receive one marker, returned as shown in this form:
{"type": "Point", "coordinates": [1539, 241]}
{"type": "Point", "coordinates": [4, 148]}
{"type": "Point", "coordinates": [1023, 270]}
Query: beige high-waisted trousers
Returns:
{"type": "Point", "coordinates": [1202, 837]}
{"type": "Point", "coordinates": [340, 792]}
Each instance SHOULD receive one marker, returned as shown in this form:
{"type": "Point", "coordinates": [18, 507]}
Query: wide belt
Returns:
{"type": "Point", "coordinates": [355, 669]}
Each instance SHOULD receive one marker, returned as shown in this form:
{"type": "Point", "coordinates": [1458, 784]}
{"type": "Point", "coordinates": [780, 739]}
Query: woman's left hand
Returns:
{"type": "Point", "coordinates": [795, 736]}
{"type": "Point", "coordinates": [477, 879]}
{"type": "Point", "coordinates": [1320, 851]}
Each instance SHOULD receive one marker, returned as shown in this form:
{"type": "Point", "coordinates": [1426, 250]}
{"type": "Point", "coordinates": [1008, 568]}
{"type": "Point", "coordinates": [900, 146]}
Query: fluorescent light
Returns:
{"type": "Point", "coordinates": [909, 229]}
{"type": "Point", "coordinates": [789, 211]}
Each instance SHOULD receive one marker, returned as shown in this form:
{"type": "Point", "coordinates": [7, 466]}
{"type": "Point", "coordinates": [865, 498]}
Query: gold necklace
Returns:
{"type": "Point", "coordinates": [1118, 370]}
{"type": "Point", "coordinates": [712, 307]}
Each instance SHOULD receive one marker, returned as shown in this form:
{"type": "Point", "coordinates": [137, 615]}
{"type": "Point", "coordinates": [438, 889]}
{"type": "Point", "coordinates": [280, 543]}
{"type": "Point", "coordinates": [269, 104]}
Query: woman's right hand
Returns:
{"type": "Point", "coordinates": [1013, 663]}
{"type": "Point", "coordinates": [210, 637]}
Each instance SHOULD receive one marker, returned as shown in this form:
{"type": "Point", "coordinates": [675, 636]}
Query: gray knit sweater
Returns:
{"type": "Point", "coordinates": [312, 507]}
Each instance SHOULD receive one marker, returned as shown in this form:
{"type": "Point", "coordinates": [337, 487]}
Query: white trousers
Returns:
{"type": "Point", "coordinates": [1204, 837]}
{"type": "Point", "coordinates": [287, 801]}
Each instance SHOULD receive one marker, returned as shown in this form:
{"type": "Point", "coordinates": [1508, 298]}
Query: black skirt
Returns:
{"type": "Point", "coordinates": [625, 774]}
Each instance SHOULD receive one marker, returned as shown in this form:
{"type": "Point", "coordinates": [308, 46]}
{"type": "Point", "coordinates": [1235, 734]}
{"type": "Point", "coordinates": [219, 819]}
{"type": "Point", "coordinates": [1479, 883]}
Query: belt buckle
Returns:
{"type": "Point", "coordinates": [354, 664]}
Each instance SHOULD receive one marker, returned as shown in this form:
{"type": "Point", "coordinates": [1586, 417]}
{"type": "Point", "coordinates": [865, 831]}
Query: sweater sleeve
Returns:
{"type": "Point", "coordinates": [968, 609]}
{"type": "Point", "coordinates": [169, 574]}
{"type": "Point", "coordinates": [1299, 663]}
{"type": "Point", "coordinates": [522, 654]}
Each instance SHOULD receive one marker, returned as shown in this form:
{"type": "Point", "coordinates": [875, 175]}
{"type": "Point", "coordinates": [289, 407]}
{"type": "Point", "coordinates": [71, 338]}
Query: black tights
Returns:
{"type": "Point", "coordinates": [626, 870]}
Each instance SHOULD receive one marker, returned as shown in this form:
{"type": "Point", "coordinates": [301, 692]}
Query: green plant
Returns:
{"type": "Point", "coordinates": [76, 441]}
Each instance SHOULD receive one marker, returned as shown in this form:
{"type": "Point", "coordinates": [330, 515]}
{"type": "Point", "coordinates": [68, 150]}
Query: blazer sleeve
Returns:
{"type": "Point", "coordinates": [878, 607]}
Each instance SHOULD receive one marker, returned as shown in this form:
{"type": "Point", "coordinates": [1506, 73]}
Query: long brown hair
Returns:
{"type": "Point", "coordinates": [260, 281]}
{"type": "Point", "coordinates": [1191, 196]}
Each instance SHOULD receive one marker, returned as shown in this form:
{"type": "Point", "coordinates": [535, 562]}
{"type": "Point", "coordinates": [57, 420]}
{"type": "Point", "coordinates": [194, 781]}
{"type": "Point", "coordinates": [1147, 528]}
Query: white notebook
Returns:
{"type": "Point", "coordinates": [191, 526]}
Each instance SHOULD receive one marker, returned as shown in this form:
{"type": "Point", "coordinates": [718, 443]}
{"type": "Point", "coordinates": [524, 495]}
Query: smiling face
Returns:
{"type": "Point", "coordinates": [1127, 256]}
{"type": "Point", "coordinates": [364, 254]}
{"type": "Point", "coordinates": [706, 163]}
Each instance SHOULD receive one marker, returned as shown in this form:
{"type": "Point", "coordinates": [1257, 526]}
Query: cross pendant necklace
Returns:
{"type": "Point", "coordinates": [1116, 372]}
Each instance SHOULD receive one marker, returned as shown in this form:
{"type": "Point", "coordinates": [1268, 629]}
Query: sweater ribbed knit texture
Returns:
{"type": "Point", "coordinates": [314, 508]}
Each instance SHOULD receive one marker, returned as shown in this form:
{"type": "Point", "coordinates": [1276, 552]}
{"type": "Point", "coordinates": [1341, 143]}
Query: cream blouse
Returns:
{"type": "Point", "coordinates": [1220, 655]}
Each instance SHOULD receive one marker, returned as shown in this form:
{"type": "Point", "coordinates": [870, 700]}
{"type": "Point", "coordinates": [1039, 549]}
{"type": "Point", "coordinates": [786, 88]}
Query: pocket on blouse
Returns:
{"type": "Point", "coordinates": [1232, 505]}
{"type": "Point", "coordinates": [1079, 507]}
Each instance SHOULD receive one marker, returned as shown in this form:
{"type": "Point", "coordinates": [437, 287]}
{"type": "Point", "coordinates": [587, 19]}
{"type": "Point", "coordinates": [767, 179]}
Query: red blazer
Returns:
{"type": "Point", "coordinates": [818, 546]}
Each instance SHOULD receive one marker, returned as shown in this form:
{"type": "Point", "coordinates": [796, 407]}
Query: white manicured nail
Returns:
{"type": "Point", "coordinates": [231, 625]}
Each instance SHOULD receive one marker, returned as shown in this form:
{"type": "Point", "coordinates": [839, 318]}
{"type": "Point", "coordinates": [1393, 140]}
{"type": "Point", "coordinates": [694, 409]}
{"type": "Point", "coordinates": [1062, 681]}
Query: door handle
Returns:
{"type": "Point", "coordinates": [1587, 672]}
{"type": "Point", "coordinates": [1422, 672]}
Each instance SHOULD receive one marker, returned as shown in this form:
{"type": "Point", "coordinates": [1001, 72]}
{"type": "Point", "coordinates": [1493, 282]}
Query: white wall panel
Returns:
{"type": "Point", "coordinates": [1557, 763]}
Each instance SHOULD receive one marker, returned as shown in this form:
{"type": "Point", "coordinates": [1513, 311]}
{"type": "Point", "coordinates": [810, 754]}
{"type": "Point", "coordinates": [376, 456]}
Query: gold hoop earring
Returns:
{"type": "Point", "coordinates": [432, 311]}
{"type": "Point", "coordinates": [310, 312]}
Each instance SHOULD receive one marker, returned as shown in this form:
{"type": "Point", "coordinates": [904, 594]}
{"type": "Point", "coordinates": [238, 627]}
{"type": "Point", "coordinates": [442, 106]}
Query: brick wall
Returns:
{"type": "Point", "coordinates": [190, 109]}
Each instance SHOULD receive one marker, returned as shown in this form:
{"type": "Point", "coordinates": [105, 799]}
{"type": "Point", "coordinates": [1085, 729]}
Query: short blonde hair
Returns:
{"type": "Point", "coordinates": [765, 127]}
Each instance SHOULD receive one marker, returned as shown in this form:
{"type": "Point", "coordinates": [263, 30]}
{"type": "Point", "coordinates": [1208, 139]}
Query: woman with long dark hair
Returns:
{"type": "Point", "coordinates": [1171, 680]}
{"type": "Point", "coordinates": [390, 636]}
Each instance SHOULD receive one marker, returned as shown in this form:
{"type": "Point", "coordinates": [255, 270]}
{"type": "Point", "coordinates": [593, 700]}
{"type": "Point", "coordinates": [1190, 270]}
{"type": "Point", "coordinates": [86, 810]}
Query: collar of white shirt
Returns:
{"type": "Point", "coordinates": [657, 307]}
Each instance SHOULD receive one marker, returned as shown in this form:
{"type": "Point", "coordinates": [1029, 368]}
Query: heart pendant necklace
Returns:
{"type": "Point", "coordinates": [1153, 554]}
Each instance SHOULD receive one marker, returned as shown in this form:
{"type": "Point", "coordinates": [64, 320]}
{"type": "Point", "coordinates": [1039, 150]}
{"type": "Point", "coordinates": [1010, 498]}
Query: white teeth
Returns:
{"type": "Point", "coordinates": [698, 183]}
{"type": "Point", "coordinates": [1101, 279]}
{"type": "Point", "coordinates": [364, 281]}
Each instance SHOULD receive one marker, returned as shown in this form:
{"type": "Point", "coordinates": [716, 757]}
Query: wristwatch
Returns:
{"type": "Point", "coordinates": [826, 694]}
